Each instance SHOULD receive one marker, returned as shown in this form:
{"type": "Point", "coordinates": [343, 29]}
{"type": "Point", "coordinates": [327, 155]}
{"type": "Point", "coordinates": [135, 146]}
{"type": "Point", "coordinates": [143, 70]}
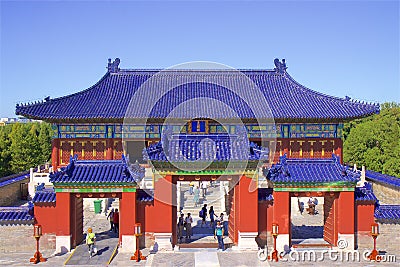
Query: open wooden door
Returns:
{"type": "Point", "coordinates": [76, 220]}
{"type": "Point", "coordinates": [330, 220]}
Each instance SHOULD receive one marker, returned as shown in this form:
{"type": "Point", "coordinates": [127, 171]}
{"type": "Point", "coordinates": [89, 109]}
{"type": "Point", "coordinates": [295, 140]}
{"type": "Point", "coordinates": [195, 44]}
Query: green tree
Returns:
{"type": "Point", "coordinates": [44, 138]}
{"type": "Point", "coordinates": [24, 147]}
{"type": "Point", "coordinates": [374, 141]}
{"type": "Point", "coordinates": [5, 154]}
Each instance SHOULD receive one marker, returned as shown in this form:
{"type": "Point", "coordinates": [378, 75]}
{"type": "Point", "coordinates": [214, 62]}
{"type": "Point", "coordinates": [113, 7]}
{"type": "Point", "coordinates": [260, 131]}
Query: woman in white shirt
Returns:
{"type": "Point", "coordinates": [188, 226]}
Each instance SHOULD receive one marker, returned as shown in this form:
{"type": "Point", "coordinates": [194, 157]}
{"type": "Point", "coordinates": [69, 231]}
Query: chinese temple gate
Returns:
{"type": "Point", "coordinates": [298, 154]}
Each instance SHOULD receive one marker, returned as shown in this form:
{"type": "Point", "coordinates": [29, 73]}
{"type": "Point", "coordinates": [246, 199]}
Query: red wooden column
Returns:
{"type": "Point", "coordinates": [247, 215]}
{"type": "Point", "coordinates": [281, 216]}
{"type": "Point", "coordinates": [127, 220]}
{"type": "Point", "coordinates": [346, 218]}
{"type": "Point", "coordinates": [55, 153]}
{"type": "Point", "coordinates": [164, 202]}
{"type": "Point", "coordinates": [63, 222]}
{"type": "Point", "coordinates": [109, 149]}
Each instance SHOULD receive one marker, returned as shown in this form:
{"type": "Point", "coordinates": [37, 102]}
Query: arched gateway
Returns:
{"type": "Point", "coordinates": [304, 143]}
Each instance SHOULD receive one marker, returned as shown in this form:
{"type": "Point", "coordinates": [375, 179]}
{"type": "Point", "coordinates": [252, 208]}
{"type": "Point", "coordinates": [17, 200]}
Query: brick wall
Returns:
{"type": "Point", "coordinates": [19, 238]}
{"type": "Point", "coordinates": [386, 194]}
{"type": "Point", "coordinates": [10, 193]}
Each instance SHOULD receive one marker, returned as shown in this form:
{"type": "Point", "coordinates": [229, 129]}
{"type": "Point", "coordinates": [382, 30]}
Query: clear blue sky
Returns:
{"type": "Point", "coordinates": [338, 48]}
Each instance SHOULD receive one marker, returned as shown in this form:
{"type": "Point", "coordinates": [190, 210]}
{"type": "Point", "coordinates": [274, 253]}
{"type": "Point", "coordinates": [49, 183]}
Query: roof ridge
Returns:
{"type": "Point", "coordinates": [195, 70]}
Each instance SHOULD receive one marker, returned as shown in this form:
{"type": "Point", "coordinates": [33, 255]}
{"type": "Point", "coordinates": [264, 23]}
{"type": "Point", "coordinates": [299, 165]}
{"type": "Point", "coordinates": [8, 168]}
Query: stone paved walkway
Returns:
{"type": "Point", "coordinates": [106, 242]}
{"type": "Point", "coordinates": [228, 258]}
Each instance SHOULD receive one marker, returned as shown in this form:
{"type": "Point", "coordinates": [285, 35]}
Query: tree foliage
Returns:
{"type": "Point", "coordinates": [375, 141]}
{"type": "Point", "coordinates": [23, 146]}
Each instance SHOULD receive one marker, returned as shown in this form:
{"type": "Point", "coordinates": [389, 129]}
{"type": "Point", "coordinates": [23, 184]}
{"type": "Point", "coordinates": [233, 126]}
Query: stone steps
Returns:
{"type": "Point", "coordinates": [212, 198]}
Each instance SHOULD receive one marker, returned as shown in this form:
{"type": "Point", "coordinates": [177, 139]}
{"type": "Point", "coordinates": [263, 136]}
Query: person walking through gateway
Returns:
{"type": "Point", "coordinates": [191, 187]}
{"type": "Point", "coordinates": [90, 239]}
{"type": "Point", "coordinates": [110, 217]}
{"type": "Point", "coordinates": [204, 188]}
{"type": "Point", "coordinates": [196, 196]}
{"type": "Point", "coordinates": [203, 215]}
{"type": "Point", "coordinates": [221, 219]}
{"type": "Point", "coordinates": [212, 214]}
{"type": "Point", "coordinates": [188, 225]}
{"type": "Point", "coordinates": [180, 227]}
{"type": "Point", "coordinates": [219, 233]}
{"type": "Point", "coordinates": [116, 221]}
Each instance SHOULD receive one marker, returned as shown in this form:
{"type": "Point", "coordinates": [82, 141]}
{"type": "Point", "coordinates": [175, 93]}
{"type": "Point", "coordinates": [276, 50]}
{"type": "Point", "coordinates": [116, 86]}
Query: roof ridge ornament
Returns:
{"type": "Point", "coordinates": [280, 66]}
{"type": "Point", "coordinates": [112, 67]}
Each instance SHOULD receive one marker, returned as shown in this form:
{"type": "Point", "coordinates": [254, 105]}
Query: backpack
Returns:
{"type": "Point", "coordinates": [201, 213]}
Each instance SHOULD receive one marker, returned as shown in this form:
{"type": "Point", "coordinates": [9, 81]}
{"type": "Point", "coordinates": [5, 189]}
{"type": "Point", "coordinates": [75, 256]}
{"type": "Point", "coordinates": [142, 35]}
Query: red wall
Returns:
{"type": "Point", "coordinates": [365, 217]}
{"type": "Point", "coordinates": [111, 148]}
{"type": "Point", "coordinates": [247, 215]}
{"type": "Point", "coordinates": [346, 213]}
{"type": "Point", "coordinates": [281, 213]}
{"type": "Point", "coordinates": [45, 215]}
{"type": "Point", "coordinates": [308, 147]}
{"type": "Point", "coordinates": [127, 214]}
{"type": "Point", "coordinates": [86, 149]}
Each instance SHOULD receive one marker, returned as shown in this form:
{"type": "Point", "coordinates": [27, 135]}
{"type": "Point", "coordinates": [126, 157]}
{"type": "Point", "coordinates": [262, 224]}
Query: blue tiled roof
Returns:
{"type": "Point", "coordinates": [97, 172]}
{"type": "Point", "coordinates": [383, 178]}
{"type": "Point", "coordinates": [388, 213]}
{"type": "Point", "coordinates": [365, 193]}
{"type": "Point", "coordinates": [44, 196]}
{"type": "Point", "coordinates": [109, 98]}
{"type": "Point", "coordinates": [13, 178]}
{"type": "Point", "coordinates": [311, 171]}
{"type": "Point", "coordinates": [265, 194]}
{"type": "Point", "coordinates": [15, 215]}
{"type": "Point", "coordinates": [220, 147]}
{"type": "Point", "coordinates": [144, 195]}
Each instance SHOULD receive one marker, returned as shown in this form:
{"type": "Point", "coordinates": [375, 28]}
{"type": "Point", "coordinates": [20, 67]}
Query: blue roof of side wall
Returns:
{"type": "Point", "coordinates": [109, 98]}
{"type": "Point", "coordinates": [383, 178]}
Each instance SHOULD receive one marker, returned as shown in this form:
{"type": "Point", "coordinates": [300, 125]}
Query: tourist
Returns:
{"type": "Point", "coordinates": [90, 239]}
{"type": "Point", "coordinates": [188, 226]}
{"type": "Point", "coordinates": [181, 222]}
{"type": "Point", "coordinates": [221, 219]}
{"type": "Point", "coordinates": [110, 217]}
{"type": "Point", "coordinates": [191, 187]}
{"type": "Point", "coordinates": [116, 221]}
{"type": "Point", "coordinates": [211, 212]}
{"type": "Point", "coordinates": [196, 196]}
{"type": "Point", "coordinates": [311, 206]}
{"type": "Point", "coordinates": [300, 205]}
{"type": "Point", "coordinates": [204, 188]}
{"type": "Point", "coordinates": [315, 201]}
{"type": "Point", "coordinates": [203, 215]}
{"type": "Point", "coordinates": [219, 232]}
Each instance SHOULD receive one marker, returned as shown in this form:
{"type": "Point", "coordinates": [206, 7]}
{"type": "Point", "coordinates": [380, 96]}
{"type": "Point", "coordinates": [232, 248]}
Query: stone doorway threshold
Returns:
{"type": "Point", "coordinates": [310, 243]}
{"type": "Point", "coordinates": [204, 241]}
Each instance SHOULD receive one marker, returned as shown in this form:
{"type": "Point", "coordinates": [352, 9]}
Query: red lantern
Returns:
{"type": "Point", "coordinates": [138, 232]}
{"type": "Point", "coordinates": [37, 233]}
{"type": "Point", "coordinates": [275, 232]}
{"type": "Point", "coordinates": [375, 229]}
{"type": "Point", "coordinates": [138, 229]}
{"type": "Point", "coordinates": [37, 230]}
{"type": "Point", "coordinates": [275, 229]}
